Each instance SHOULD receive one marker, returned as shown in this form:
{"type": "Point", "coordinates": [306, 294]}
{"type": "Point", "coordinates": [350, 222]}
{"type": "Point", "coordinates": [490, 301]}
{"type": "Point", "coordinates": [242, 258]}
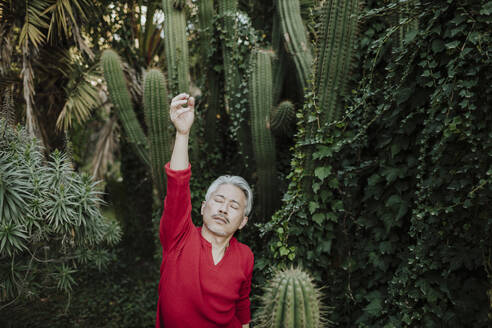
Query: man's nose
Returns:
{"type": "Point", "coordinates": [223, 208]}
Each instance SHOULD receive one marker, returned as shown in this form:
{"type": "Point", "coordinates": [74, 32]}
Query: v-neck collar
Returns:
{"type": "Point", "coordinates": [209, 255]}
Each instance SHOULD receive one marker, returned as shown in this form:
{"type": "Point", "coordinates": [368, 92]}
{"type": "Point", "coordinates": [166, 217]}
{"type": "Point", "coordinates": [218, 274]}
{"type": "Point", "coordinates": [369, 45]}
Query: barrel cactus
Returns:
{"type": "Point", "coordinates": [291, 300]}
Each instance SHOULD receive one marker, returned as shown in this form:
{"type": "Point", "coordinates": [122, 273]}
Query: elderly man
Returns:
{"type": "Point", "coordinates": [205, 272]}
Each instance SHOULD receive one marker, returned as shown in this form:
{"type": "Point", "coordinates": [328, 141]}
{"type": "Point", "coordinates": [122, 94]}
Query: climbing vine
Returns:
{"type": "Point", "coordinates": [396, 222]}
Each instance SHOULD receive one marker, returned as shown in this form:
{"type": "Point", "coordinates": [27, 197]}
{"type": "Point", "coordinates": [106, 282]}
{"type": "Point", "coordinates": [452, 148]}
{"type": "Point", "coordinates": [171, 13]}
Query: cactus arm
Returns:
{"type": "Point", "coordinates": [227, 11]}
{"type": "Point", "coordinates": [335, 53]}
{"type": "Point", "coordinates": [295, 39]}
{"type": "Point", "coordinates": [280, 59]}
{"type": "Point", "coordinates": [282, 117]}
{"type": "Point", "coordinates": [120, 97]}
{"type": "Point", "coordinates": [157, 115]}
{"type": "Point", "coordinates": [260, 96]}
{"type": "Point", "coordinates": [176, 46]}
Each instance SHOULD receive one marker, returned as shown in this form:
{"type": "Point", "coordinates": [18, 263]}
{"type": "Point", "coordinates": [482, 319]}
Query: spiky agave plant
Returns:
{"type": "Point", "coordinates": [291, 300]}
{"type": "Point", "coordinates": [50, 219]}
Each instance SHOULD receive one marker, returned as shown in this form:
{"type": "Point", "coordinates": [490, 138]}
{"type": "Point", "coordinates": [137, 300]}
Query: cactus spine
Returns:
{"type": "Point", "coordinates": [118, 92]}
{"type": "Point", "coordinates": [295, 39]}
{"type": "Point", "coordinates": [291, 301]}
{"type": "Point", "coordinates": [156, 110]}
{"type": "Point", "coordinates": [176, 46]}
{"type": "Point", "coordinates": [157, 118]}
{"type": "Point", "coordinates": [260, 100]}
{"type": "Point", "coordinates": [335, 53]}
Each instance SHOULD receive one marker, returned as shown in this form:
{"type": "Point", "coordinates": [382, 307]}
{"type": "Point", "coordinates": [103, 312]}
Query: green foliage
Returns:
{"type": "Point", "coordinates": [120, 97]}
{"type": "Point", "coordinates": [295, 39]}
{"type": "Point", "coordinates": [50, 220]}
{"type": "Point", "coordinates": [396, 219]}
{"type": "Point", "coordinates": [260, 86]}
{"type": "Point", "coordinates": [291, 300]}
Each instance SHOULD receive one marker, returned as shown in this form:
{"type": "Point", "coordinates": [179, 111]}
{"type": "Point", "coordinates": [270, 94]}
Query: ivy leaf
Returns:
{"type": "Point", "coordinates": [374, 307]}
{"type": "Point", "coordinates": [437, 46]}
{"type": "Point", "coordinates": [452, 45]}
{"type": "Point", "coordinates": [319, 218]}
{"type": "Point", "coordinates": [322, 172]}
{"type": "Point", "coordinates": [313, 206]}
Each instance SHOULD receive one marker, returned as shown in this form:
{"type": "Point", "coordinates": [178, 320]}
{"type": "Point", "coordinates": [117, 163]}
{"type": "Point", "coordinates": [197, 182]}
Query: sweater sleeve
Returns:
{"type": "Point", "coordinates": [176, 217]}
{"type": "Point", "coordinates": [243, 312]}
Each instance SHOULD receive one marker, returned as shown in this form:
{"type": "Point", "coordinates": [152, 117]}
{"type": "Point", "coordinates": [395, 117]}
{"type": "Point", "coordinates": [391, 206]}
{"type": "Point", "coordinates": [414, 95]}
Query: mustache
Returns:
{"type": "Point", "coordinates": [223, 217]}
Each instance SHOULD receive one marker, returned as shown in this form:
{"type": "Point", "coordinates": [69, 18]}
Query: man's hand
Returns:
{"type": "Point", "coordinates": [182, 113]}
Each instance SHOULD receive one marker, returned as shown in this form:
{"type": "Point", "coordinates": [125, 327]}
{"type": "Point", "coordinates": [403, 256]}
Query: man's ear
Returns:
{"type": "Point", "coordinates": [202, 208]}
{"type": "Point", "coordinates": [243, 223]}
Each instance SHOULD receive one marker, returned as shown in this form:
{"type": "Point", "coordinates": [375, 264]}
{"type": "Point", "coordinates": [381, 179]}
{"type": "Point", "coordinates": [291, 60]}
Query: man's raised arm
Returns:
{"type": "Point", "coordinates": [182, 115]}
{"type": "Point", "coordinates": [176, 220]}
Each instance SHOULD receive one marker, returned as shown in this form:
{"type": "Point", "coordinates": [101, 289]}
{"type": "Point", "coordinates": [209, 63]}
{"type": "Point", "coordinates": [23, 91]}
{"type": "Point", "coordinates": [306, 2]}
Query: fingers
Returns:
{"type": "Point", "coordinates": [176, 104]}
{"type": "Point", "coordinates": [181, 96]}
{"type": "Point", "coordinates": [177, 113]}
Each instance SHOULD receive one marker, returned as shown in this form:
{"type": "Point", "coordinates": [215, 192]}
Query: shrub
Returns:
{"type": "Point", "coordinates": [50, 220]}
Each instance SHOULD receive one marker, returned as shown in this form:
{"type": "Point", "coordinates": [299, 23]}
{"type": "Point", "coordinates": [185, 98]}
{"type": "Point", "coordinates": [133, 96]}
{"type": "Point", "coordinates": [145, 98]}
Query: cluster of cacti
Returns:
{"type": "Point", "coordinates": [334, 55]}
{"type": "Point", "coordinates": [176, 46]}
{"type": "Point", "coordinates": [260, 101]}
{"type": "Point", "coordinates": [156, 110]}
{"type": "Point", "coordinates": [291, 301]}
{"type": "Point", "coordinates": [295, 39]}
{"type": "Point", "coordinates": [118, 92]}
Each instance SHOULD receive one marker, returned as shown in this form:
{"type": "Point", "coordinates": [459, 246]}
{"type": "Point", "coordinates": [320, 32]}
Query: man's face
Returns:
{"type": "Point", "coordinates": [223, 213]}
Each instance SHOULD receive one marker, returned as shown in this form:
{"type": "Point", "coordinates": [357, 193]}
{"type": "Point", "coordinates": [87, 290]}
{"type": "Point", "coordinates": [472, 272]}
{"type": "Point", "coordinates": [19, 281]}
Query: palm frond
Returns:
{"type": "Point", "coordinates": [81, 99]}
{"type": "Point", "coordinates": [35, 20]}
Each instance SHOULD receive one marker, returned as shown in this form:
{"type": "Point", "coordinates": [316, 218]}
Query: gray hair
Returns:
{"type": "Point", "coordinates": [235, 181]}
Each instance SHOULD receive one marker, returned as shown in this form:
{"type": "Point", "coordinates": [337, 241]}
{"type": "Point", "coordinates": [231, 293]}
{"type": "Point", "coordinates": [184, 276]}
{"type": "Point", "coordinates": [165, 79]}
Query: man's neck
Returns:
{"type": "Point", "coordinates": [217, 241]}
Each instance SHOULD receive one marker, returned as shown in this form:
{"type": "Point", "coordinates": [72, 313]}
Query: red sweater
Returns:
{"type": "Point", "coordinates": [193, 291]}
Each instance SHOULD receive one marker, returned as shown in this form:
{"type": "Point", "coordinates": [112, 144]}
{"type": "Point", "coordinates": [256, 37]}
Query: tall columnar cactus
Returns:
{"type": "Point", "coordinates": [291, 301]}
{"type": "Point", "coordinates": [335, 54]}
{"type": "Point", "coordinates": [206, 15]}
{"type": "Point", "coordinates": [295, 38]}
{"type": "Point", "coordinates": [157, 119]}
{"type": "Point", "coordinates": [156, 110]}
{"type": "Point", "coordinates": [176, 46]}
{"type": "Point", "coordinates": [227, 12]}
{"type": "Point", "coordinates": [118, 92]}
{"type": "Point", "coordinates": [260, 100]}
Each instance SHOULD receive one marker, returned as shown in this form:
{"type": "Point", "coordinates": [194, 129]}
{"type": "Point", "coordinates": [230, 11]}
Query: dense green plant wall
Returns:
{"type": "Point", "coordinates": [397, 222]}
{"type": "Point", "coordinates": [50, 220]}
